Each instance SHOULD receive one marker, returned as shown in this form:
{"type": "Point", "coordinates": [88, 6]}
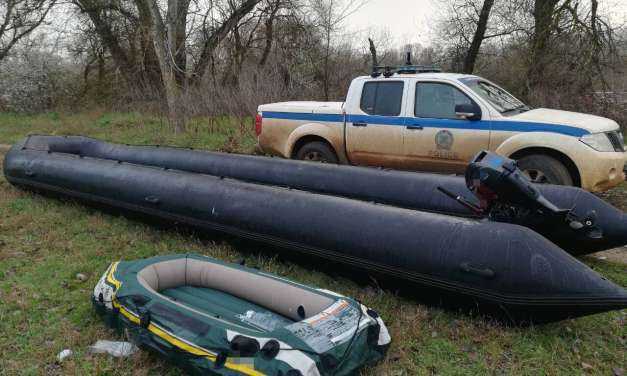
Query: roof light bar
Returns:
{"type": "Point", "coordinates": [408, 68]}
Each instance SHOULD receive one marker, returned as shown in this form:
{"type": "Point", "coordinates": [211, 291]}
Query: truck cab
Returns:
{"type": "Point", "coordinates": [431, 121]}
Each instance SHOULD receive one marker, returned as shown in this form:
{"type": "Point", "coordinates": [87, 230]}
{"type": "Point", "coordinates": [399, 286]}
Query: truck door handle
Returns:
{"type": "Point", "coordinates": [360, 125]}
{"type": "Point", "coordinates": [415, 127]}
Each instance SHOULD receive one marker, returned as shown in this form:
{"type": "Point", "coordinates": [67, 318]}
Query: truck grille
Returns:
{"type": "Point", "coordinates": [616, 138]}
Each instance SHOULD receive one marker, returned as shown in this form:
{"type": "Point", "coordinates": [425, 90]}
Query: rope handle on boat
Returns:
{"type": "Point", "coordinates": [146, 318]}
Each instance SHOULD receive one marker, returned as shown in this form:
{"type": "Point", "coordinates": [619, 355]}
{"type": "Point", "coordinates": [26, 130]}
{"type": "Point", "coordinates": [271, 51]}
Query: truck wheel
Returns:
{"type": "Point", "coordinates": [545, 170]}
{"type": "Point", "coordinates": [317, 152]}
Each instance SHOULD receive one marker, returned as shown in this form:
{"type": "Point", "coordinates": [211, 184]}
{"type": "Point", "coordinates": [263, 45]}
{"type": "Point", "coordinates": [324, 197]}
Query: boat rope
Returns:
{"type": "Point", "coordinates": [350, 344]}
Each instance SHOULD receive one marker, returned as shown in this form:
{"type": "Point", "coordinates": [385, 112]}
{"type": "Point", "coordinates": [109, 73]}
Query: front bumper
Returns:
{"type": "Point", "coordinates": [602, 171]}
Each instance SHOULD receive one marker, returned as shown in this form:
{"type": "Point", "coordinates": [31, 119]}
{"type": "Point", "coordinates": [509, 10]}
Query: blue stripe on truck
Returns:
{"type": "Point", "coordinates": [304, 116]}
{"type": "Point", "coordinates": [483, 125]}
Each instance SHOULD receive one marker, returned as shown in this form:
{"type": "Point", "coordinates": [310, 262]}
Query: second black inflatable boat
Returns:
{"type": "Point", "coordinates": [419, 191]}
{"type": "Point", "coordinates": [500, 267]}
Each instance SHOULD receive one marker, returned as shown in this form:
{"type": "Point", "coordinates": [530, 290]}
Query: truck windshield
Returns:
{"type": "Point", "coordinates": [503, 102]}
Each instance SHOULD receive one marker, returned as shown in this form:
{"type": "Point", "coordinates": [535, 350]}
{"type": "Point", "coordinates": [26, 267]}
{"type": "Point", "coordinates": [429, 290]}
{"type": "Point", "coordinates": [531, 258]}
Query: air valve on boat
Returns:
{"type": "Point", "coordinates": [506, 194]}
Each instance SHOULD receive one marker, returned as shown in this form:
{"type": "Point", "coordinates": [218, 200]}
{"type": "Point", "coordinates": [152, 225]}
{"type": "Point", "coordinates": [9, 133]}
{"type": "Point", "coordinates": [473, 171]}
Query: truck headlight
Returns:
{"type": "Point", "coordinates": [597, 141]}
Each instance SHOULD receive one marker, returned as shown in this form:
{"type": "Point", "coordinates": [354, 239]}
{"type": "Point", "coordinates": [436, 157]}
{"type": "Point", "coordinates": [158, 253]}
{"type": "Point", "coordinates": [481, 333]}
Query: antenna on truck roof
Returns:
{"type": "Point", "coordinates": [408, 68]}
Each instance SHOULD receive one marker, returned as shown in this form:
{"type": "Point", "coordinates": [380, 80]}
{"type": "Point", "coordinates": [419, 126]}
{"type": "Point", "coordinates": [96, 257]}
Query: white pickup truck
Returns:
{"type": "Point", "coordinates": [418, 119]}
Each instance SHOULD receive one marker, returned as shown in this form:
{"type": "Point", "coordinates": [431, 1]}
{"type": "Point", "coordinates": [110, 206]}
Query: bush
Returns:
{"type": "Point", "coordinates": [36, 81]}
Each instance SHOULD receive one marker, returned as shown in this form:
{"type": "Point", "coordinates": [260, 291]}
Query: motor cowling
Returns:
{"type": "Point", "coordinates": [503, 191]}
{"type": "Point", "coordinates": [492, 177]}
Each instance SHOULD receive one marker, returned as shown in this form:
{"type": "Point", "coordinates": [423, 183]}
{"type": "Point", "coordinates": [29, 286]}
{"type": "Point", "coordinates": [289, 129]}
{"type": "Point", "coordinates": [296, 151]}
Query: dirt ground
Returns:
{"type": "Point", "coordinates": [614, 255]}
{"type": "Point", "coordinates": [618, 198]}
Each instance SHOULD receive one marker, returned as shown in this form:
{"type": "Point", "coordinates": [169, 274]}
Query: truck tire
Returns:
{"type": "Point", "coordinates": [317, 152]}
{"type": "Point", "coordinates": [544, 169]}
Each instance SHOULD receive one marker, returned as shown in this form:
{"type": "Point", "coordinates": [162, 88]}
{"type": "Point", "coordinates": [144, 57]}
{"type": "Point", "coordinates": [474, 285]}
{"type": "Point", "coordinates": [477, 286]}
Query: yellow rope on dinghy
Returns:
{"type": "Point", "coordinates": [170, 337]}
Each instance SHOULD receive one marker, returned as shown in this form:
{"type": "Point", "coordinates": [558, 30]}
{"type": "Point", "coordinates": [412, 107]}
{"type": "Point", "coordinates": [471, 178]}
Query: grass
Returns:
{"type": "Point", "coordinates": [44, 308]}
{"type": "Point", "coordinates": [222, 134]}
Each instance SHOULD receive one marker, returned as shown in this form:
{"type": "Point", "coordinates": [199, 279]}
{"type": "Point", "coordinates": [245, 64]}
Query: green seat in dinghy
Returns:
{"type": "Point", "coordinates": [212, 317]}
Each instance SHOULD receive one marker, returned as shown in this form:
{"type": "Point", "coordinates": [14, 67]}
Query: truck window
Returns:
{"type": "Point", "coordinates": [435, 100]}
{"type": "Point", "coordinates": [382, 98]}
{"type": "Point", "coordinates": [503, 102]}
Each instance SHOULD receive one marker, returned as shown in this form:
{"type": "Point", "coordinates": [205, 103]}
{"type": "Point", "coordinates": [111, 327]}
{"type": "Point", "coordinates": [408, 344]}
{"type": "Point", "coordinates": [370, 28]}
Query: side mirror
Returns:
{"type": "Point", "coordinates": [468, 111]}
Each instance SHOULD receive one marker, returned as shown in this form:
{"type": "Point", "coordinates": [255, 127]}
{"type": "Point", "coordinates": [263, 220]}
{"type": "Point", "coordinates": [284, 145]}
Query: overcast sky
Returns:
{"type": "Point", "coordinates": [406, 20]}
{"type": "Point", "coordinates": [411, 20]}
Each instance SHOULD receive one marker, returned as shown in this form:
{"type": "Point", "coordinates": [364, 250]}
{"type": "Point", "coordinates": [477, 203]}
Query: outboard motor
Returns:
{"type": "Point", "coordinates": [506, 194]}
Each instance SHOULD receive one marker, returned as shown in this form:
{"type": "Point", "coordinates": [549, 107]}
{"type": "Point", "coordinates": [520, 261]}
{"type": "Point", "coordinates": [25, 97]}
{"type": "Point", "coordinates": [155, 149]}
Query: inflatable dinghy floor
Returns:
{"type": "Point", "coordinates": [212, 317]}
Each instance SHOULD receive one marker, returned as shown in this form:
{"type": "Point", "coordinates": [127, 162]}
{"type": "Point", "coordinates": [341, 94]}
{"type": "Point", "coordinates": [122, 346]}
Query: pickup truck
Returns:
{"type": "Point", "coordinates": [425, 120]}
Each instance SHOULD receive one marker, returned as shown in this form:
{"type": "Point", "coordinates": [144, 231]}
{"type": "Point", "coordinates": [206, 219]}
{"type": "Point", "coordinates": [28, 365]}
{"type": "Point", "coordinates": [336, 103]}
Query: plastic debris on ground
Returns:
{"type": "Point", "coordinates": [64, 355]}
{"type": "Point", "coordinates": [116, 349]}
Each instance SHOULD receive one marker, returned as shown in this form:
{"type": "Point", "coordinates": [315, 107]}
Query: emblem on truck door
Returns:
{"type": "Point", "coordinates": [444, 140]}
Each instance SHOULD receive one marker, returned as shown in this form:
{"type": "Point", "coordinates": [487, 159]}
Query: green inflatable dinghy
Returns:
{"type": "Point", "coordinates": [212, 317]}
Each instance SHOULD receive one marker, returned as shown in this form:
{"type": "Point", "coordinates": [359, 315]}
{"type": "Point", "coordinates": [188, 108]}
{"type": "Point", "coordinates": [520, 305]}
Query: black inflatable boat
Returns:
{"type": "Point", "coordinates": [502, 268]}
{"type": "Point", "coordinates": [419, 191]}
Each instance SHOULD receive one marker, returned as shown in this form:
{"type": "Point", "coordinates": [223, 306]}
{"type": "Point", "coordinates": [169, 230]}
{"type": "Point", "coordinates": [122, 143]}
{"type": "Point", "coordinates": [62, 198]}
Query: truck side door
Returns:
{"type": "Point", "coordinates": [436, 138]}
{"type": "Point", "coordinates": [374, 126]}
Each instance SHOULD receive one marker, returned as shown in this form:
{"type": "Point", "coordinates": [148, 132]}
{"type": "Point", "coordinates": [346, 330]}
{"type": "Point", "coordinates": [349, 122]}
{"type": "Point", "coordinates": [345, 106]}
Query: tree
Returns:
{"type": "Point", "coordinates": [273, 9]}
{"type": "Point", "coordinates": [572, 34]}
{"type": "Point", "coordinates": [168, 37]}
{"type": "Point", "coordinates": [169, 40]}
{"type": "Point", "coordinates": [479, 36]}
{"type": "Point", "coordinates": [123, 29]}
{"type": "Point", "coordinates": [544, 16]}
{"type": "Point", "coordinates": [149, 41]}
{"type": "Point", "coordinates": [484, 20]}
{"type": "Point", "coordinates": [329, 18]}
{"type": "Point", "coordinates": [18, 18]}
{"type": "Point", "coordinates": [213, 36]}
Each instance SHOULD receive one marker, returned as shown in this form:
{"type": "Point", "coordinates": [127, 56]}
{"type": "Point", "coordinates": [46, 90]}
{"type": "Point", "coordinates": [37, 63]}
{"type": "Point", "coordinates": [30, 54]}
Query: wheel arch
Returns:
{"type": "Point", "coordinates": [303, 140]}
{"type": "Point", "coordinates": [570, 165]}
{"type": "Point", "coordinates": [331, 134]}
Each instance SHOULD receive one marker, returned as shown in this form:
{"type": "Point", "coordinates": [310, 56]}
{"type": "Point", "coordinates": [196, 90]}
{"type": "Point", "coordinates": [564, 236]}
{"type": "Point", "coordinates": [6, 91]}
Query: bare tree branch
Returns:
{"type": "Point", "coordinates": [214, 38]}
{"type": "Point", "coordinates": [20, 18]}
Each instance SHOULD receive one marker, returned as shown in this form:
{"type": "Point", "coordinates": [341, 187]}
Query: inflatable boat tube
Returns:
{"type": "Point", "coordinates": [403, 189]}
{"type": "Point", "coordinates": [212, 317]}
{"type": "Point", "coordinates": [502, 268]}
